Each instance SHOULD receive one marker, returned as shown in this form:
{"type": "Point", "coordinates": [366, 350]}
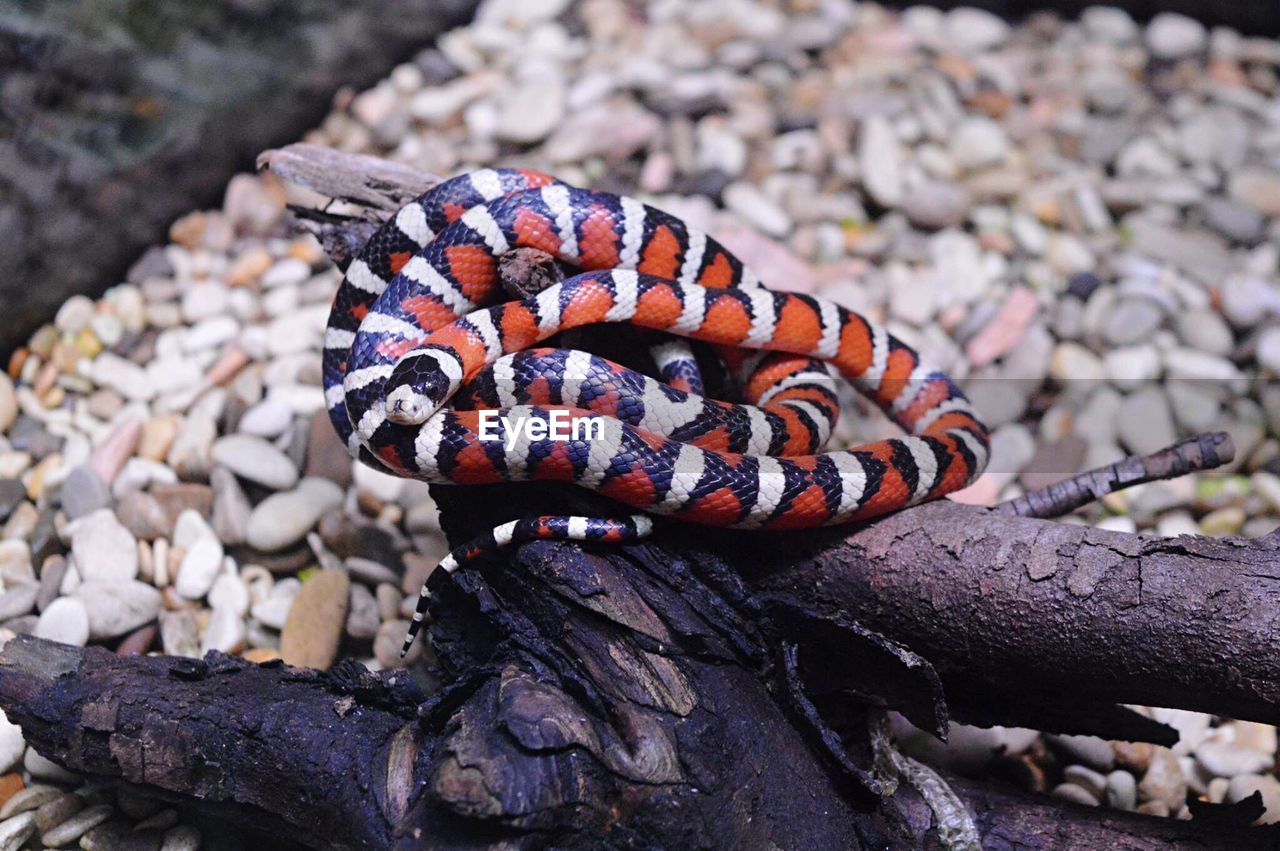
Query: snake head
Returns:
{"type": "Point", "coordinates": [422, 382]}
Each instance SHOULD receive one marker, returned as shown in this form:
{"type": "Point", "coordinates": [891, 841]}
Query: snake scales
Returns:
{"type": "Point", "coordinates": [417, 354]}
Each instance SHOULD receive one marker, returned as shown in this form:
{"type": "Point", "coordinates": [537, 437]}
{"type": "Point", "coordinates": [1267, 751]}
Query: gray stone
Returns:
{"type": "Point", "coordinates": [83, 492]}
{"type": "Point", "coordinates": [1145, 421]}
{"type": "Point", "coordinates": [116, 608]}
{"type": "Point", "coordinates": [1173, 36]}
{"type": "Point", "coordinates": [250, 457]}
{"type": "Point", "coordinates": [65, 620]}
{"type": "Point", "coordinates": [1236, 221]}
{"type": "Point", "coordinates": [283, 519]}
{"type": "Point", "coordinates": [104, 549]}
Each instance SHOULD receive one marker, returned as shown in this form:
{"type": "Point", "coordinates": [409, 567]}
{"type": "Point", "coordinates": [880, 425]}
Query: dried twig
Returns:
{"type": "Point", "coordinates": [1202, 452]}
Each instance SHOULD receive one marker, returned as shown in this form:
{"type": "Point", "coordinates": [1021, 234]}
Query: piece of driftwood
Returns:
{"type": "Point", "coordinates": [700, 689]}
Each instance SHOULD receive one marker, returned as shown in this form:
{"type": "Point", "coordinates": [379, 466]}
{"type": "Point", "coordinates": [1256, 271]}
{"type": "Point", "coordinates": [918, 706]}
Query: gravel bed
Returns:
{"type": "Point", "coordinates": [1076, 218]}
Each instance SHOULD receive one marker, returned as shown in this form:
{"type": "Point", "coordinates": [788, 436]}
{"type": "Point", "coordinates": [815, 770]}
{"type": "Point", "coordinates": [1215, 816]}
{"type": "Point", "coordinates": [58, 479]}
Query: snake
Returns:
{"type": "Point", "coordinates": [431, 372]}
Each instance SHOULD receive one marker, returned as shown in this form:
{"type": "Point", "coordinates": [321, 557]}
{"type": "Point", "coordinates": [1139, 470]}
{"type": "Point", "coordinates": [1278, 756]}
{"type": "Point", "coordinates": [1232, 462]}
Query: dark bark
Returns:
{"type": "Point", "coordinates": [702, 689]}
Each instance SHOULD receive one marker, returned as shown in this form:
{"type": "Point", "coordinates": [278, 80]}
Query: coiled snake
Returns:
{"type": "Point", "coordinates": [417, 357]}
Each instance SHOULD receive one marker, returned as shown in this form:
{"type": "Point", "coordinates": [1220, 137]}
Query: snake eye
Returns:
{"type": "Point", "coordinates": [421, 385]}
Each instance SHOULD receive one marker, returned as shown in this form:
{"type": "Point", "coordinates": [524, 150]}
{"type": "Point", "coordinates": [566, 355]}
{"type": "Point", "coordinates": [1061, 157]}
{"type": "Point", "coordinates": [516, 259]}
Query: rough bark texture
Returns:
{"type": "Point", "coordinates": [701, 689]}
{"type": "Point", "coordinates": [116, 117]}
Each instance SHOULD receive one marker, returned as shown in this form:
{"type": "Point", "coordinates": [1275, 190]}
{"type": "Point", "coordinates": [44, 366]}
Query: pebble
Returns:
{"type": "Point", "coordinates": [269, 418]}
{"type": "Point", "coordinates": [1258, 189]}
{"type": "Point", "coordinates": [115, 607]}
{"type": "Point", "coordinates": [978, 142]}
{"type": "Point", "coordinates": [8, 402]}
{"type": "Point", "coordinates": [1173, 36]}
{"type": "Point", "coordinates": [200, 566]}
{"type": "Point", "coordinates": [231, 509]}
{"type": "Point", "coordinates": [225, 632]}
{"type": "Point", "coordinates": [14, 832]}
{"type": "Point", "coordinates": [1075, 794]}
{"type": "Point", "coordinates": [757, 209]}
{"type": "Point", "coordinates": [1225, 759]}
{"type": "Point", "coordinates": [252, 458]}
{"type": "Point", "coordinates": [937, 204]}
{"type": "Point", "coordinates": [283, 519]}
{"type": "Point", "coordinates": [104, 549]}
{"type": "Point", "coordinates": [1163, 781]}
{"type": "Point", "coordinates": [315, 624]}
{"type": "Point", "coordinates": [880, 161]}
{"type": "Point", "coordinates": [274, 610]}
{"type": "Point", "coordinates": [65, 620]}
{"type": "Point", "coordinates": [1122, 790]}
{"type": "Point", "coordinates": [12, 746]}
{"type": "Point", "coordinates": [1145, 421]}
{"type": "Point", "coordinates": [76, 826]}
{"type": "Point", "coordinates": [1244, 785]}
{"type": "Point", "coordinates": [1091, 751]}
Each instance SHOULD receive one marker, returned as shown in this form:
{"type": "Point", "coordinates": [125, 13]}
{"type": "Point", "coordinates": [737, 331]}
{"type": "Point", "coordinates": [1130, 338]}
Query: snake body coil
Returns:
{"type": "Point", "coordinates": [414, 359]}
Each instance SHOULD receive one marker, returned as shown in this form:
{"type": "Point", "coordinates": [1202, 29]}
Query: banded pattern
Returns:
{"type": "Point", "coordinates": [421, 378]}
{"type": "Point", "coordinates": [946, 448]}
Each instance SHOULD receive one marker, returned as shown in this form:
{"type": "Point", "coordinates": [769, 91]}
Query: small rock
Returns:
{"type": "Point", "coordinates": [15, 602]}
{"type": "Point", "coordinates": [225, 632]}
{"type": "Point", "coordinates": [363, 617]}
{"type": "Point", "coordinates": [937, 204]}
{"type": "Point", "coordinates": [231, 508]}
{"type": "Point", "coordinates": [1122, 790]}
{"type": "Point", "coordinates": [1268, 350]}
{"type": "Point", "coordinates": [529, 111]}
{"type": "Point", "coordinates": [1244, 785]}
{"type": "Point", "coordinates": [53, 813]}
{"type": "Point", "coordinates": [181, 838]}
{"type": "Point", "coordinates": [1236, 221]}
{"type": "Point", "coordinates": [76, 826]}
{"type": "Point", "coordinates": [971, 30]}
{"type": "Point", "coordinates": [8, 402]}
{"type": "Point", "coordinates": [1145, 421]}
{"type": "Point", "coordinates": [47, 769]}
{"type": "Point", "coordinates": [978, 142]}
{"type": "Point", "coordinates": [1131, 321]}
{"type": "Point", "coordinates": [83, 492]}
{"type": "Point", "coordinates": [880, 161]}
{"type": "Point", "coordinates": [283, 519]}
{"type": "Point", "coordinates": [104, 549]}
{"type": "Point", "coordinates": [274, 610]}
{"type": "Point", "coordinates": [1090, 750]}
{"type": "Point", "coordinates": [269, 418]}
{"type": "Point", "coordinates": [116, 608]}
{"type": "Point", "coordinates": [1086, 778]}
{"type": "Point", "coordinates": [14, 832]}
{"type": "Point", "coordinates": [65, 620]}
{"type": "Point", "coordinates": [12, 745]}
{"type": "Point", "coordinates": [1108, 23]}
{"type": "Point", "coordinates": [1258, 188]}
{"type": "Point", "coordinates": [757, 209]}
{"type": "Point", "coordinates": [200, 566]}
{"type": "Point", "coordinates": [1163, 781]}
{"type": "Point", "coordinates": [1227, 759]}
{"type": "Point", "coordinates": [143, 516]}
{"type": "Point", "coordinates": [252, 458]}
{"type": "Point", "coordinates": [1173, 36]}
{"type": "Point", "coordinates": [1075, 794]}
{"type": "Point", "coordinates": [314, 627]}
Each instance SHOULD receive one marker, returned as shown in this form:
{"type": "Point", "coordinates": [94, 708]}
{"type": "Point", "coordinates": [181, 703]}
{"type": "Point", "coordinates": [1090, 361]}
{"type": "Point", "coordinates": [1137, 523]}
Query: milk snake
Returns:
{"type": "Point", "coordinates": [414, 359]}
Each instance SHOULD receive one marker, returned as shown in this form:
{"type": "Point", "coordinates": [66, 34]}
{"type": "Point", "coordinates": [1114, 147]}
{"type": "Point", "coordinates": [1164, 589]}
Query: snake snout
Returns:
{"type": "Point", "coordinates": [407, 407]}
